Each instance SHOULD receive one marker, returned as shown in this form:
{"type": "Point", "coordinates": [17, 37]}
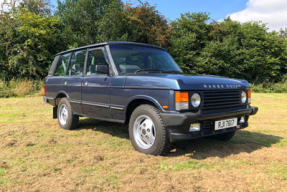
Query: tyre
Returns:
{"type": "Point", "coordinates": [66, 118]}
{"type": "Point", "coordinates": [147, 132]}
{"type": "Point", "coordinates": [224, 136]}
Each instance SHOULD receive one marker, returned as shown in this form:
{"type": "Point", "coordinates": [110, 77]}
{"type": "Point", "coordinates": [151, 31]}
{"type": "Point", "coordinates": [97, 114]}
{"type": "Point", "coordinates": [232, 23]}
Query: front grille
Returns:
{"type": "Point", "coordinates": [222, 101]}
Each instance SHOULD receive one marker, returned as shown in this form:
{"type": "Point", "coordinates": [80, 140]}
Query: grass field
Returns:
{"type": "Point", "coordinates": [36, 155]}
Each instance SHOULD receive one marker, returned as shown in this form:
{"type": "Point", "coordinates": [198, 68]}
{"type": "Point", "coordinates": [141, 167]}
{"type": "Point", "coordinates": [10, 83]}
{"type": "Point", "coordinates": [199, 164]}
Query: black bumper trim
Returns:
{"type": "Point", "coordinates": [50, 100]}
{"type": "Point", "coordinates": [203, 133]}
{"type": "Point", "coordinates": [185, 119]}
{"type": "Point", "coordinates": [254, 110]}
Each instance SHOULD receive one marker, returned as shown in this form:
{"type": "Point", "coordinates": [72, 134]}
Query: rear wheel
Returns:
{"type": "Point", "coordinates": [224, 136]}
{"type": "Point", "coordinates": [147, 132]}
{"type": "Point", "coordinates": [66, 118]}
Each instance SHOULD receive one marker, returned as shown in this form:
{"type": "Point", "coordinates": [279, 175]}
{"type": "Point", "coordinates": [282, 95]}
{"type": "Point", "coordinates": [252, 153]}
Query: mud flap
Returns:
{"type": "Point", "coordinates": [55, 112]}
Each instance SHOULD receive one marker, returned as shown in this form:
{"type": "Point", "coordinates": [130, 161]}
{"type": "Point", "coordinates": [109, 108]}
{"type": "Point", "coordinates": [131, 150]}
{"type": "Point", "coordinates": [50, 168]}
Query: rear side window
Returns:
{"type": "Point", "coordinates": [95, 57]}
{"type": "Point", "coordinates": [62, 65]}
{"type": "Point", "coordinates": [76, 66]}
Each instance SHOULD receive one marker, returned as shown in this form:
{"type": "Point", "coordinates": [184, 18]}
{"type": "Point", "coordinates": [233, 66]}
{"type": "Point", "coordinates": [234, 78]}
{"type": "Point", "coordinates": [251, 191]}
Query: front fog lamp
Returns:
{"type": "Point", "coordinates": [243, 96]}
{"type": "Point", "coordinates": [242, 120]}
{"type": "Point", "coordinates": [195, 100]}
{"type": "Point", "coordinates": [194, 127]}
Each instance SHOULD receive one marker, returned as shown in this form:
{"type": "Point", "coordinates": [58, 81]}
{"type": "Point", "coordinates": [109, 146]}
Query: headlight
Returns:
{"type": "Point", "coordinates": [195, 100]}
{"type": "Point", "coordinates": [243, 96]}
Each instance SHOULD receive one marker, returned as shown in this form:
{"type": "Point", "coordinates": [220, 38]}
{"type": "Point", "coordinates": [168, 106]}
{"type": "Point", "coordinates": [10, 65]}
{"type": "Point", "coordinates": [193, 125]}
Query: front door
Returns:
{"type": "Point", "coordinates": [96, 87]}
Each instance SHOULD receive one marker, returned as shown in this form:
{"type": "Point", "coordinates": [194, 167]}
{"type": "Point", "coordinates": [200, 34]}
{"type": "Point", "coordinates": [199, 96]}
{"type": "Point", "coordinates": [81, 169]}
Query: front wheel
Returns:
{"type": "Point", "coordinates": [66, 118]}
{"type": "Point", "coordinates": [147, 132]}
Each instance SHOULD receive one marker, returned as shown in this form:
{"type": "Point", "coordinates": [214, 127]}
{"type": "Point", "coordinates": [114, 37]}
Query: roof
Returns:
{"type": "Point", "coordinates": [111, 43]}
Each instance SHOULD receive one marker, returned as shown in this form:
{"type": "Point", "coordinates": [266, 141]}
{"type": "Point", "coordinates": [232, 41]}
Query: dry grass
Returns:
{"type": "Point", "coordinates": [36, 155]}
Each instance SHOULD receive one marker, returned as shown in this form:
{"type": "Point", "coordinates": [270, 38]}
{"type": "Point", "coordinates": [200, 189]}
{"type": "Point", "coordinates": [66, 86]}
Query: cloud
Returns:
{"type": "Point", "coordinates": [6, 5]}
{"type": "Point", "coordinates": [273, 12]}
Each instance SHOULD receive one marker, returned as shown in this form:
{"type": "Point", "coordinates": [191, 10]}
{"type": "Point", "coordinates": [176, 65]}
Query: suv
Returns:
{"type": "Point", "coordinates": [141, 85]}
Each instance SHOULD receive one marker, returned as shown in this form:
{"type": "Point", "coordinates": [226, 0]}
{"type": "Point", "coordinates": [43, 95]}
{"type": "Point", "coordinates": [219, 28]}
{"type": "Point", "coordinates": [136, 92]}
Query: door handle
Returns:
{"type": "Point", "coordinates": [86, 83]}
{"type": "Point", "coordinates": [65, 83]}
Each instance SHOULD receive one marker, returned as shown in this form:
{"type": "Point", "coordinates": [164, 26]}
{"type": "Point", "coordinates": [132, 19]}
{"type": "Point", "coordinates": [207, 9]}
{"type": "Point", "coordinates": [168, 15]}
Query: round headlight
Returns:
{"type": "Point", "coordinates": [243, 97]}
{"type": "Point", "coordinates": [195, 100]}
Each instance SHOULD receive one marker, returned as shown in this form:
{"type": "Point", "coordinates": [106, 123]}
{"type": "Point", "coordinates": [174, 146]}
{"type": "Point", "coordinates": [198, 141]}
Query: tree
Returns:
{"type": "Point", "coordinates": [29, 39]}
{"type": "Point", "coordinates": [189, 38]}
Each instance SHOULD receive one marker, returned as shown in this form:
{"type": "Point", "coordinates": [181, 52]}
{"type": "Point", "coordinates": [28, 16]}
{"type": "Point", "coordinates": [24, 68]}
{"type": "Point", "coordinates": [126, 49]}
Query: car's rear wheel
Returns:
{"type": "Point", "coordinates": [147, 132]}
{"type": "Point", "coordinates": [224, 136]}
{"type": "Point", "coordinates": [66, 118]}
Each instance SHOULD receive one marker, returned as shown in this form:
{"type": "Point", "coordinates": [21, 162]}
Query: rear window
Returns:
{"type": "Point", "coordinates": [62, 65]}
{"type": "Point", "coordinates": [76, 66]}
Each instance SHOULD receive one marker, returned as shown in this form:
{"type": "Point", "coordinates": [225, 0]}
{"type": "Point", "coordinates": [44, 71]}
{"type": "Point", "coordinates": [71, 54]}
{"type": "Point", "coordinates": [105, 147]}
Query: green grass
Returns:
{"type": "Point", "coordinates": [36, 155]}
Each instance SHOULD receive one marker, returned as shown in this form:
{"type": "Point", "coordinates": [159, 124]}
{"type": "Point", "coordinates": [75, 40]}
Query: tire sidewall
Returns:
{"type": "Point", "coordinates": [64, 101]}
{"type": "Point", "coordinates": [146, 110]}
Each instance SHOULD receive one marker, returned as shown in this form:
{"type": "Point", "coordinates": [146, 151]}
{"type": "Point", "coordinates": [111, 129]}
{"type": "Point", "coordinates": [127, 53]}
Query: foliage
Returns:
{"type": "Point", "coordinates": [228, 48]}
{"type": "Point", "coordinates": [30, 36]}
{"type": "Point", "coordinates": [21, 87]}
{"type": "Point", "coordinates": [30, 41]}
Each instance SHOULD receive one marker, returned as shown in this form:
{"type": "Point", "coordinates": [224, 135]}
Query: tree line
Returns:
{"type": "Point", "coordinates": [32, 32]}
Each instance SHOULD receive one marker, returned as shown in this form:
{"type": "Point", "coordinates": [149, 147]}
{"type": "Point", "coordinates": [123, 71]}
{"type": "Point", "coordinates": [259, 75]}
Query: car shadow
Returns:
{"type": "Point", "coordinates": [244, 141]}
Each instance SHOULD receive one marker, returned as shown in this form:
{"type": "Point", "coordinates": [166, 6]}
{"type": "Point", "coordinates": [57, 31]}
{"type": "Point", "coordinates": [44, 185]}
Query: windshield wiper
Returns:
{"type": "Point", "coordinates": [150, 69]}
{"type": "Point", "coordinates": [173, 71]}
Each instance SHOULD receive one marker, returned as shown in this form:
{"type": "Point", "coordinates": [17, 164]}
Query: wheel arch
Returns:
{"type": "Point", "coordinates": [136, 101]}
{"type": "Point", "coordinates": [59, 96]}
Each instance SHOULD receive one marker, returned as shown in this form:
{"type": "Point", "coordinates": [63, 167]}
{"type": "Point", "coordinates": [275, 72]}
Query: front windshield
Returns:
{"type": "Point", "coordinates": [133, 59]}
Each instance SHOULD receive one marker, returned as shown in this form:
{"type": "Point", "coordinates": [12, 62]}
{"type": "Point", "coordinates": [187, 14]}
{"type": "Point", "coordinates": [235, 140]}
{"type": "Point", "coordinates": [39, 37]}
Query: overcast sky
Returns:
{"type": "Point", "coordinates": [273, 12]}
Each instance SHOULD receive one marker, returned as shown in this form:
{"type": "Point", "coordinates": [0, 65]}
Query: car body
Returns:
{"type": "Point", "coordinates": [109, 81]}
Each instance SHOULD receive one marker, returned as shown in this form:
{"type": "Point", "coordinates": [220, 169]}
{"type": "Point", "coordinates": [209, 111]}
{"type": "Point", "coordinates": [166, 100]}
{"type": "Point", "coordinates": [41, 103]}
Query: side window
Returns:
{"type": "Point", "coordinates": [77, 63]}
{"type": "Point", "coordinates": [62, 65]}
{"type": "Point", "coordinates": [95, 57]}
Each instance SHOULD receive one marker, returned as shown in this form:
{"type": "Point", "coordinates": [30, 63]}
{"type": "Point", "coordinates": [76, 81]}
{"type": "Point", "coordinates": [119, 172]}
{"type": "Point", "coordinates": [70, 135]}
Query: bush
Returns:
{"type": "Point", "coordinates": [21, 87]}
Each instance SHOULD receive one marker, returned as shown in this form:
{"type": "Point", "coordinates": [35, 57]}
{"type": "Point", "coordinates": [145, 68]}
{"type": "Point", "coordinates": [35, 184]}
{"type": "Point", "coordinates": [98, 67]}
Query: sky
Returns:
{"type": "Point", "coordinates": [273, 12]}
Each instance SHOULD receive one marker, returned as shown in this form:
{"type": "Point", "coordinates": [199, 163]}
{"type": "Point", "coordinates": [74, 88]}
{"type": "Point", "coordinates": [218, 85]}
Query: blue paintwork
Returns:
{"type": "Point", "coordinates": [116, 92]}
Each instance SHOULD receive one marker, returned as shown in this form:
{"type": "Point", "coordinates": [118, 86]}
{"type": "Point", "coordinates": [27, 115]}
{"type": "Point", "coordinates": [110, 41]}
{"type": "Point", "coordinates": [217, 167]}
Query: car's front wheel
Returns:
{"type": "Point", "coordinates": [147, 132]}
{"type": "Point", "coordinates": [66, 118]}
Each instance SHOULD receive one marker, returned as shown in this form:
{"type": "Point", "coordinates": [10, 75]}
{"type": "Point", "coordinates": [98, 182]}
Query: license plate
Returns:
{"type": "Point", "coordinates": [226, 123]}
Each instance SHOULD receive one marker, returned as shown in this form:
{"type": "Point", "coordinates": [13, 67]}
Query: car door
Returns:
{"type": "Point", "coordinates": [96, 87]}
{"type": "Point", "coordinates": [72, 82]}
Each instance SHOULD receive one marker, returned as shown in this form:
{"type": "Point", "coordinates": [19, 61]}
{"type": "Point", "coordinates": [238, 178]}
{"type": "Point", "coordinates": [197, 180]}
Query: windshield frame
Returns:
{"type": "Point", "coordinates": [118, 73]}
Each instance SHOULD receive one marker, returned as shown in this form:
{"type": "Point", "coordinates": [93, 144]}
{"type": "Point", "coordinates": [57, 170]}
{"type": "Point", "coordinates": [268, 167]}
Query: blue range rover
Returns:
{"type": "Point", "coordinates": [141, 85]}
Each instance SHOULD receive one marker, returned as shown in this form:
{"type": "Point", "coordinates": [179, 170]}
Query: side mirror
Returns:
{"type": "Point", "coordinates": [102, 69]}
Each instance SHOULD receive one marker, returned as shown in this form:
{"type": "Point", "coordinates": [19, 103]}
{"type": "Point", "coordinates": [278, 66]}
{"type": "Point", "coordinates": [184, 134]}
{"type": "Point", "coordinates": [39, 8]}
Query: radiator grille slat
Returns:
{"type": "Point", "coordinates": [222, 101]}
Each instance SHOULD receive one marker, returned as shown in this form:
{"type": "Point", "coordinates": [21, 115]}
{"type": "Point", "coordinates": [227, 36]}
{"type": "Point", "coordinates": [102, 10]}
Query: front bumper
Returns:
{"type": "Point", "coordinates": [179, 123]}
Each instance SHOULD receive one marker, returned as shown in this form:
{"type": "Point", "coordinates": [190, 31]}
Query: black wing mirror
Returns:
{"type": "Point", "coordinates": [102, 69]}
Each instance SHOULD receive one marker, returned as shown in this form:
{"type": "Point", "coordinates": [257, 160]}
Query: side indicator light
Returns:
{"type": "Point", "coordinates": [165, 107]}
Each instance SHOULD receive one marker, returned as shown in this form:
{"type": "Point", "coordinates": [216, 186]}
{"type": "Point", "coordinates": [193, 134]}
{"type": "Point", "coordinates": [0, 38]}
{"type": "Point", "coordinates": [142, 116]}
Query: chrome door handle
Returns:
{"type": "Point", "coordinates": [86, 83]}
{"type": "Point", "coordinates": [65, 83]}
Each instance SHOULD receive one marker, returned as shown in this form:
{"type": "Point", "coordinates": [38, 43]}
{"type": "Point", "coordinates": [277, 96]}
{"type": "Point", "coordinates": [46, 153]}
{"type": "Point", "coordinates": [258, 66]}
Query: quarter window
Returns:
{"type": "Point", "coordinates": [77, 63]}
{"type": "Point", "coordinates": [62, 65]}
{"type": "Point", "coordinates": [95, 57]}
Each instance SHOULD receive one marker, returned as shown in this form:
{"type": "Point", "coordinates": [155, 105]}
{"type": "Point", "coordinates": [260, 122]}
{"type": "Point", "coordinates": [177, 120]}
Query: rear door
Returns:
{"type": "Point", "coordinates": [96, 87]}
{"type": "Point", "coordinates": [72, 82]}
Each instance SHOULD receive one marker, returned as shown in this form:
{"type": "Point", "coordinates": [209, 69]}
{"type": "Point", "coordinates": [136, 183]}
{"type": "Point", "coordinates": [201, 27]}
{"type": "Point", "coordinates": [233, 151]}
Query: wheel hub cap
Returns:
{"type": "Point", "coordinates": [144, 132]}
{"type": "Point", "coordinates": [63, 114]}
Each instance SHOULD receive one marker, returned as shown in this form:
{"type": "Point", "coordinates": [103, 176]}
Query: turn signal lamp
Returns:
{"type": "Point", "coordinates": [181, 100]}
{"type": "Point", "coordinates": [249, 96]}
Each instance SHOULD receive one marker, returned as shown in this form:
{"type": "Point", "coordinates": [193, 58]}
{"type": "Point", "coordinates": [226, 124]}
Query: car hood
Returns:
{"type": "Point", "coordinates": [183, 82]}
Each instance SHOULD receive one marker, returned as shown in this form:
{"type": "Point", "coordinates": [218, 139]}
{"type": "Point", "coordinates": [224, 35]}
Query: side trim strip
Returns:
{"type": "Point", "coordinates": [52, 98]}
{"type": "Point", "coordinates": [101, 118]}
{"type": "Point", "coordinates": [73, 101]}
{"type": "Point", "coordinates": [118, 108]}
{"type": "Point", "coordinates": [97, 105]}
